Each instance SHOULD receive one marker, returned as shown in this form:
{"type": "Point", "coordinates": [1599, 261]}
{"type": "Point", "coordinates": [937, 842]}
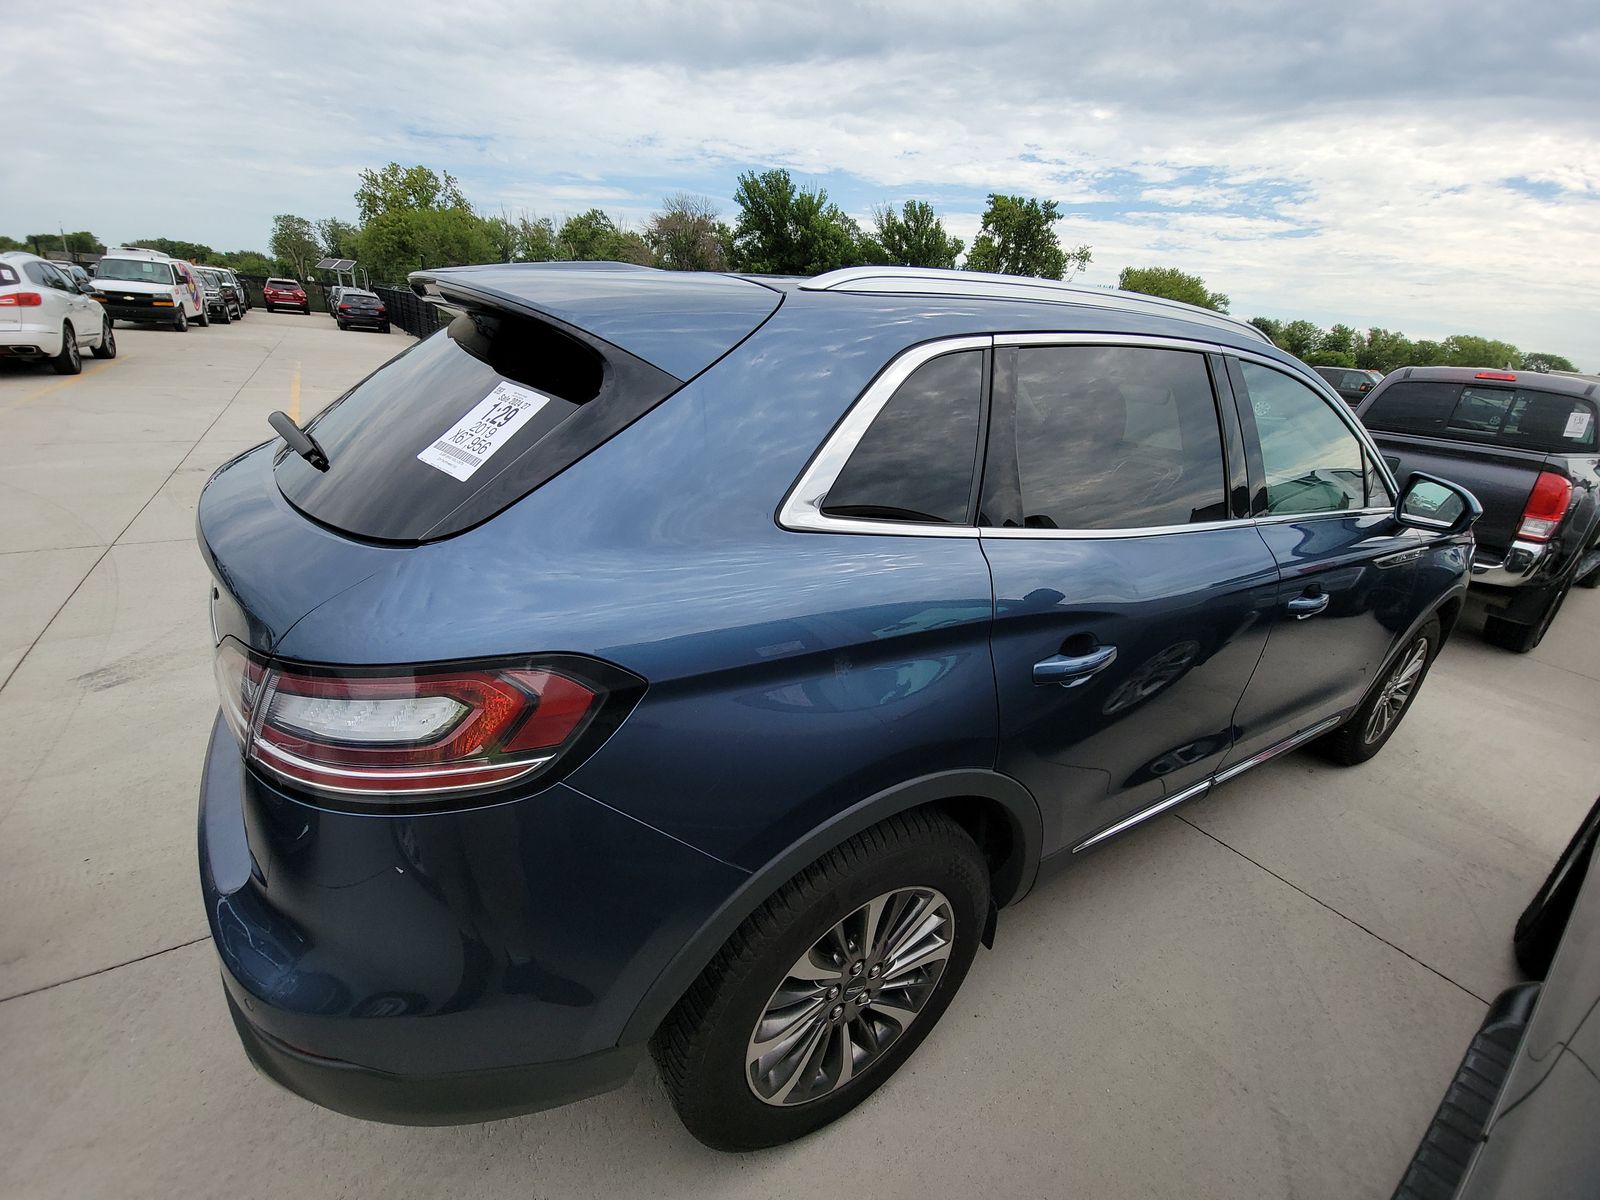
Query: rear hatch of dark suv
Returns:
{"type": "Point", "coordinates": [540, 365]}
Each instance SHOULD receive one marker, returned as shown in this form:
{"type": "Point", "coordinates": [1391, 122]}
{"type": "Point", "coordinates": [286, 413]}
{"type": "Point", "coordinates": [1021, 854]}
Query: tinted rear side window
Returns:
{"type": "Point", "coordinates": [916, 460]}
{"type": "Point", "coordinates": [376, 486]}
{"type": "Point", "coordinates": [1116, 437]}
{"type": "Point", "coordinates": [1516, 417]}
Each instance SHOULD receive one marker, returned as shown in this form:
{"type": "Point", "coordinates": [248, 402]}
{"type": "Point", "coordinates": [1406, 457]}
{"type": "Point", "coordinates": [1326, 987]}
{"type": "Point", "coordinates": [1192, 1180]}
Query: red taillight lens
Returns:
{"type": "Point", "coordinates": [382, 311]}
{"type": "Point", "coordinates": [21, 300]}
{"type": "Point", "coordinates": [1547, 505]}
{"type": "Point", "coordinates": [1502, 376]}
{"type": "Point", "coordinates": [344, 308]}
{"type": "Point", "coordinates": [411, 733]}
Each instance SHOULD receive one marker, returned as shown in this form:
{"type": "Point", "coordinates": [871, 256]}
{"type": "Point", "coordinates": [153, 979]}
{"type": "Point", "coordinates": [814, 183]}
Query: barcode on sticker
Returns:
{"type": "Point", "coordinates": [467, 445]}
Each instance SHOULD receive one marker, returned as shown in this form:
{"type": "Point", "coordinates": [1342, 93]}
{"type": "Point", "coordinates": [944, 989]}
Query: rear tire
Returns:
{"type": "Point", "coordinates": [1518, 638]}
{"type": "Point", "coordinates": [1367, 730]}
{"type": "Point", "coordinates": [815, 941]}
{"type": "Point", "coordinates": [70, 360]}
{"type": "Point", "coordinates": [1542, 923]}
{"type": "Point", "coordinates": [108, 342]}
{"type": "Point", "coordinates": [226, 318]}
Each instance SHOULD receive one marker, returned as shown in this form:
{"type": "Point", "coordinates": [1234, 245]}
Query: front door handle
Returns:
{"type": "Point", "coordinates": [1070, 670]}
{"type": "Point", "coordinates": [1308, 606]}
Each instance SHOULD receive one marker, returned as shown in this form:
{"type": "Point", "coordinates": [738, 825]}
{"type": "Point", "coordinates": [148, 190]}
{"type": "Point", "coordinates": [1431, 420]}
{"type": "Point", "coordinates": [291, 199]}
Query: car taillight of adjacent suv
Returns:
{"type": "Point", "coordinates": [697, 664]}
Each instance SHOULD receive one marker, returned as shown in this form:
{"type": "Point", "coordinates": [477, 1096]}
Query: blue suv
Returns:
{"type": "Point", "coordinates": [698, 663]}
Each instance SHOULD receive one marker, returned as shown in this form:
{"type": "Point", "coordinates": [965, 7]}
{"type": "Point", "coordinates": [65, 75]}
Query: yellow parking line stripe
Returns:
{"type": "Point", "coordinates": [61, 383]}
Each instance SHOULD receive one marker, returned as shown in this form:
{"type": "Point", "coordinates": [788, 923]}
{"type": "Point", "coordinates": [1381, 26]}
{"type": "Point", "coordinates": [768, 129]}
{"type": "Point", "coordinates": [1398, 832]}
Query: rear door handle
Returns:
{"type": "Point", "coordinates": [1308, 606]}
{"type": "Point", "coordinates": [1070, 670]}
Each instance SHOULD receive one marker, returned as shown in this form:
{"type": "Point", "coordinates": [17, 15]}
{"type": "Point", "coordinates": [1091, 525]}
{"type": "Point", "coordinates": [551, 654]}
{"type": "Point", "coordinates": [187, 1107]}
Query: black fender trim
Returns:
{"type": "Point", "coordinates": [1013, 877]}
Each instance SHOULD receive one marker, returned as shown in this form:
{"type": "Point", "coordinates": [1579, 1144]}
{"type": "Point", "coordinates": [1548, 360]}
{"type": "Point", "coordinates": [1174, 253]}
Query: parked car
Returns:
{"type": "Point", "coordinates": [644, 660]}
{"type": "Point", "coordinates": [357, 308]}
{"type": "Point", "coordinates": [279, 293]}
{"type": "Point", "coordinates": [332, 296]}
{"type": "Point", "coordinates": [45, 314]}
{"type": "Point", "coordinates": [1351, 384]}
{"type": "Point", "coordinates": [1522, 1116]}
{"type": "Point", "coordinates": [222, 297]}
{"type": "Point", "coordinates": [1525, 444]}
{"type": "Point", "coordinates": [149, 287]}
{"type": "Point", "coordinates": [239, 285]}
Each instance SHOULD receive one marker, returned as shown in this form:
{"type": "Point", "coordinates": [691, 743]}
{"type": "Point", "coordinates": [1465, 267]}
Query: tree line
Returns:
{"type": "Point", "coordinates": [414, 217]}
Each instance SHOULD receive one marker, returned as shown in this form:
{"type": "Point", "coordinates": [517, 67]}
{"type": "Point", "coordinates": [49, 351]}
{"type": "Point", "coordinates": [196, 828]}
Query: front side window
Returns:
{"type": "Point", "coordinates": [1311, 460]}
{"type": "Point", "coordinates": [916, 460]}
{"type": "Point", "coordinates": [1116, 437]}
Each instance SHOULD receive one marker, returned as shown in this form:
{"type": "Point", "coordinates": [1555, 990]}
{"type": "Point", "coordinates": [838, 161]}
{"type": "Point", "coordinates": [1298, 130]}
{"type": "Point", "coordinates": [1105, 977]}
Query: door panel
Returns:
{"type": "Point", "coordinates": [1187, 613]}
{"type": "Point", "coordinates": [1318, 663]}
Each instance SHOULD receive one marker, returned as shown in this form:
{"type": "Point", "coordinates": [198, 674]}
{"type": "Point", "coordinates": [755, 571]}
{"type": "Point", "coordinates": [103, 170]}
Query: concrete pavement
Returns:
{"type": "Point", "coordinates": [1261, 995]}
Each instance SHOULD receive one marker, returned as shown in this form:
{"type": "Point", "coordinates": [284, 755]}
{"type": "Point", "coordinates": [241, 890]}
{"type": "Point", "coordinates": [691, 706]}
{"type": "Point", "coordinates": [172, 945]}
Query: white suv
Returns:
{"type": "Point", "coordinates": [152, 287]}
{"type": "Point", "coordinates": [46, 314]}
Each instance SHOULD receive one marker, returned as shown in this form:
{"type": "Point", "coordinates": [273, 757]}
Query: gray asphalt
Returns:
{"type": "Point", "coordinates": [1261, 995]}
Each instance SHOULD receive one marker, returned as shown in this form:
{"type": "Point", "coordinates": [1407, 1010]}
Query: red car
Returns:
{"type": "Point", "coordinates": [284, 293]}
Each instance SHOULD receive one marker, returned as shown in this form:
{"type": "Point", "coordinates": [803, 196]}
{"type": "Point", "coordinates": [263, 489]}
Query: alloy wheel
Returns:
{"type": "Point", "coordinates": [850, 996]}
{"type": "Point", "coordinates": [1397, 691]}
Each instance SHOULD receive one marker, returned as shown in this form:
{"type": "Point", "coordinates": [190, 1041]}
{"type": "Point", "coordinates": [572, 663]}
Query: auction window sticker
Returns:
{"type": "Point", "coordinates": [475, 439]}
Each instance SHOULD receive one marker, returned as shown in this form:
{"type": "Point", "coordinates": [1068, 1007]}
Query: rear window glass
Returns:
{"type": "Point", "coordinates": [7, 275]}
{"type": "Point", "coordinates": [501, 442]}
{"type": "Point", "coordinates": [916, 460]}
{"type": "Point", "coordinates": [1520, 418]}
{"type": "Point", "coordinates": [282, 283]}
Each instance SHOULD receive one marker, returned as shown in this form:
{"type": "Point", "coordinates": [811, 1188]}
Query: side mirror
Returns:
{"type": "Point", "coordinates": [1428, 502]}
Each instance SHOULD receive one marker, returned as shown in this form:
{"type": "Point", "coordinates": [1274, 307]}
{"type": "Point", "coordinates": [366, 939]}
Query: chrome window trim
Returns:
{"type": "Point", "coordinates": [801, 510]}
{"type": "Point", "coordinates": [1333, 400]}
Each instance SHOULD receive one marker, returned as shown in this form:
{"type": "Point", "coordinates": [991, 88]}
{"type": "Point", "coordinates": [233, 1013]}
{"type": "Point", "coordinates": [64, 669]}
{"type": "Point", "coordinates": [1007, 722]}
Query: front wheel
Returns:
{"type": "Point", "coordinates": [108, 341]}
{"type": "Point", "coordinates": [180, 321]}
{"type": "Point", "coordinates": [820, 996]}
{"type": "Point", "coordinates": [1369, 728]}
{"type": "Point", "coordinates": [204, 319]}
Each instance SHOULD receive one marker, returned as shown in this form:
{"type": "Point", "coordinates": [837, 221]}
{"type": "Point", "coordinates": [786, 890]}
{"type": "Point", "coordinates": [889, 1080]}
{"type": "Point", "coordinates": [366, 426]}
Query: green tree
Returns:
{"type": "Point", "coordinates": [1272, 328]}
{"type": "Point", "coordinates": [247, 262]}
{"type": "Point", "coordinates": [1384, 350]}
{"type": "Point", "coordinates": [1545, 362]}
{"type": "Point", "coordinates": [338, 239]}
{"type": "Point", "coordinates": [785, 230]}
{"type": "Point", "coordinates": [1301, 338]}
{"type": "Point", "coordinates": [191, 251]}
{"type": "Point", "coordinates": [686, 235]}
{"type": "Point", "coordinates": [1018, 238]}
{"type": "Point", "coordinates": [294, 244]}
{"type": "Point", "coordinates": [1336, 349]}
{"type": "Point", "coordinates": [1426, 354]}
{"type": "Point", "coordinates": [397, 189]}
{"type": "Point", "coordinates": [536, 239]}
{"type": "Point", "coordinates": [1469, 350]}
{"type": "Point", "coordinates": [594, 237]}
{"type": "Point", "coordinates": [1173, 284]}
{"type": "Point", "coordinates": [913, 237]}
{"type": "Point", "coordinates": [11, 243]}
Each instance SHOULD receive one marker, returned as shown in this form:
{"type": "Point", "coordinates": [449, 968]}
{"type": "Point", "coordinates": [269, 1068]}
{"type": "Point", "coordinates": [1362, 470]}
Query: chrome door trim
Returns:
{"type": "Point", "coordinates": [801, 510]}
{"type": "Point", "coordinates": [1289, 743]}
{"type": "Point", "coordinates": [1188, 793]}
{"type": "Point", "coordinates": [1144, 814]}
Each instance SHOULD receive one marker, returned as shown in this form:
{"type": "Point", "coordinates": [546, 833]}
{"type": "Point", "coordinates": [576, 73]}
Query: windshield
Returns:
{"type": "Point", "coordinates": [211, 279]}
{"type": "Point", "coordinates": [135, 270]}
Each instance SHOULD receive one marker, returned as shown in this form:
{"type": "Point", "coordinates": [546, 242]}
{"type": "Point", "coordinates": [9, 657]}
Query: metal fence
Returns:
{"type": "Point", "coordinates": [409, 311]}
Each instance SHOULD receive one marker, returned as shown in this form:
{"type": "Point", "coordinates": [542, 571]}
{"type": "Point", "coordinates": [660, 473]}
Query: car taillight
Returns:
{"type": "Point", "coordinates": [1547, 505]}
{"type": "Point", "coordinates": [382, 311]}
{"type": "Point", "coordinates": [344, 308]}
{"type": "Point", "coordinates": [21, 300]}
{"type": "Point", "coordinates": [414, 733]}
{"type": "Point", "coordinates": [1501, 376]}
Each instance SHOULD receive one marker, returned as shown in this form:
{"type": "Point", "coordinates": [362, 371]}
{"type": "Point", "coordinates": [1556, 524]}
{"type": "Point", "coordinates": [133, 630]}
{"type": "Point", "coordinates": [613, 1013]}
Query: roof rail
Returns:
{"type": "Point", "coordinates": [931, 281]}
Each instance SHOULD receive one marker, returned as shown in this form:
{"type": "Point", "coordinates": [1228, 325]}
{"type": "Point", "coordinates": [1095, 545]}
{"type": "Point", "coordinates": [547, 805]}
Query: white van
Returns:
{"type": "Point", "coordinates": [152, 287]}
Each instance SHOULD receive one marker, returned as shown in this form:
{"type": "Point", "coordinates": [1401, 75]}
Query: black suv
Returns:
{"type": "Point", "coordinates": [1351, 384]}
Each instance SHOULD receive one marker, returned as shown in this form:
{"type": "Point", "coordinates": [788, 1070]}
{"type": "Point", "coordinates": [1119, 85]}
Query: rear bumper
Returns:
{"type": "Point", "coordinates": [443, 967]}
{"type": "Point", "coordinates": [31, 341]}
{"type": "Point", "coordinates": [1514, 568]}
{"type": "Point", "coordinates": [450, 1099]}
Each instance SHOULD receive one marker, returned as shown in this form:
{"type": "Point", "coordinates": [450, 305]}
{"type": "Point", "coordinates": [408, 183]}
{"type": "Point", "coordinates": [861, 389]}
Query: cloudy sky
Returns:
{"type": "Point", "coordinates": [1427, 166]}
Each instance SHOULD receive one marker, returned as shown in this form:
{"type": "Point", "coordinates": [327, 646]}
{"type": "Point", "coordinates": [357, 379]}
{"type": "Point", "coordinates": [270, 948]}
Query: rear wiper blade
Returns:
{"type": "Point", "coordinates": [301, 442]}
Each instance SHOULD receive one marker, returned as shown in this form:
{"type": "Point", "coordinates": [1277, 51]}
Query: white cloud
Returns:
{"type": "Point", "coordinates": [1345, 169]}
